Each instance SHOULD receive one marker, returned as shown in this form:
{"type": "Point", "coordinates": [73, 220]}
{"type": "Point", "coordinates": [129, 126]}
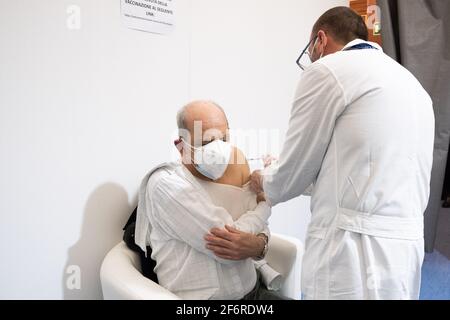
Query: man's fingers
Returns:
{"type": "Point", "coordinates": [218, 241]}
{"type": "Point", "coordinates": [221, 233]}
{"type": "Point", "coordinates": [254, 186]}
{"type": "Point", "coordinates": [232, 229]}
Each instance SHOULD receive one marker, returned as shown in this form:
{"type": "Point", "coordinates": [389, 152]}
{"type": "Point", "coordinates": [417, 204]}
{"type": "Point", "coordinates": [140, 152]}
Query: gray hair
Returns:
{"type": "Point", "coordinates": [181, 114]}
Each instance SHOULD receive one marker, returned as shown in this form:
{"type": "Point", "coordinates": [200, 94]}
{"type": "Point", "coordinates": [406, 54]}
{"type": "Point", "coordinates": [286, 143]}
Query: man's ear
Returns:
{"type": "Point", "coordinates": [227, 135]}
{"type": "Point", "coordinates": [179, 144]}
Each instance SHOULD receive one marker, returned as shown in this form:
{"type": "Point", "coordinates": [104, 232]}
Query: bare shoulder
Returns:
{"type": "Point", "coordinates": [241, 164]}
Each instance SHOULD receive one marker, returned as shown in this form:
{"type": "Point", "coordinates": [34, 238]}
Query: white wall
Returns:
{"type": "Point", "coordinates": [85, 113]}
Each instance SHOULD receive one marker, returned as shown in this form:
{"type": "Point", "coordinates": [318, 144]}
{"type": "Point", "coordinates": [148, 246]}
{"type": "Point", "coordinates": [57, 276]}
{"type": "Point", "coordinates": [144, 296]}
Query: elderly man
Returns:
{"type": "Point", "coordinates": [180, 203]}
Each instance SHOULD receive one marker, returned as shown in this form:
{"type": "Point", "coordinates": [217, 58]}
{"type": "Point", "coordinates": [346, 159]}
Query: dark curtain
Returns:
{"type": "Point", "coordinates": [446, 190]}
{"type": "Point", "coordinates": [417, 34]}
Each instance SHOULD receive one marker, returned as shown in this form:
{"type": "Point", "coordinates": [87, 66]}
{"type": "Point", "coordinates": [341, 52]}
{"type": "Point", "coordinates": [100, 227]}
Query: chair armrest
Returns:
{"type": "Point", "coordinates": [285, 256]}
{"type": "Point", "coordinates": [121, 278]}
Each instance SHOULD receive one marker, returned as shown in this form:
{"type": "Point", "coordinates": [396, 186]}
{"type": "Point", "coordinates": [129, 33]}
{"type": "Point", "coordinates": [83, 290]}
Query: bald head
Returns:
{"type": "Point", "coordinates": [203, 120]}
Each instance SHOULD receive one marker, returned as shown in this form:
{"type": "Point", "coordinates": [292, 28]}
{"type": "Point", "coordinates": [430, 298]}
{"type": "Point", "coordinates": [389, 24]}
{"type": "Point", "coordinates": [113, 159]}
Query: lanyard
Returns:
{"type": "Point", "coordinates": [360, 46]}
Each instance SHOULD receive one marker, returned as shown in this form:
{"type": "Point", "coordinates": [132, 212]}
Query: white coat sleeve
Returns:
{"type": "Point", "coordinates": [184, 213]}
{"type": "Point", "coordinates": [318, 102]}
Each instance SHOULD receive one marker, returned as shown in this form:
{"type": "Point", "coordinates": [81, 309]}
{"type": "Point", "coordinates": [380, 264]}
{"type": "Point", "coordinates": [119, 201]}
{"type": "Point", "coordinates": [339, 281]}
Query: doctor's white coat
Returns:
{"type": "Point", "coordinates": [361, 131]}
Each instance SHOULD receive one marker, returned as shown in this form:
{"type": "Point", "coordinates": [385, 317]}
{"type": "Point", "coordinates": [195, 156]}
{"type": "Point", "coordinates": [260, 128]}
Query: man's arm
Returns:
{"type": "Point", "coordinates": [254, 221]}
{"type": "Point", "coordinates": [185, 213]}
{"type": "Point", "coordinates": [231, 243]}
{"type": "Point", "coordinates": [235, 243]}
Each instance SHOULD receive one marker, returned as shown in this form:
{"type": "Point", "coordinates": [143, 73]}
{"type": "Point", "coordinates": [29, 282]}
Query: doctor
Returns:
{"type": "Point", "coordinates": [361, 134]}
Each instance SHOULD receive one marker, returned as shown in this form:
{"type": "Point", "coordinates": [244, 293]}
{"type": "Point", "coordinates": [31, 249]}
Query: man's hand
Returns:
{"type": "Point", "coordinates": [256, 182]}
{"type": "Point", "coordinates": [232, 244]}
{"type": "Point", "coordinates": [260, 197]}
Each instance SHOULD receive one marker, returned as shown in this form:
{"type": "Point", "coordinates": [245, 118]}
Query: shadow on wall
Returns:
{"type": "Point", "coordinates": [105, 213]}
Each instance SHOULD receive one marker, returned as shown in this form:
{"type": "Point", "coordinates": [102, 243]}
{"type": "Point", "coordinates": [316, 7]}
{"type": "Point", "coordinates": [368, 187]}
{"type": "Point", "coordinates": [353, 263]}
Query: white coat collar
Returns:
{"type": "Point", "coordinates": [358, 41]}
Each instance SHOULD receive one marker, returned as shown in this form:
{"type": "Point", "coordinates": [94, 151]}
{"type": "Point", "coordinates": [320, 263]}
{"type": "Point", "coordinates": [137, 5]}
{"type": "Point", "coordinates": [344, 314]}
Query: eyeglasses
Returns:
{"type": "Point", "coordinates": [305, 57]}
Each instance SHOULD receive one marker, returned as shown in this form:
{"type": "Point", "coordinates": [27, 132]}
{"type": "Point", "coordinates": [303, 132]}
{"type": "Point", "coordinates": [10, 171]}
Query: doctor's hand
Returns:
{"type": "Point", "coordinates": [232, 244]}
{"type": "Point", "coordinates": [268, 160]}
{"type": "Point", "coordinates": [256, 182]}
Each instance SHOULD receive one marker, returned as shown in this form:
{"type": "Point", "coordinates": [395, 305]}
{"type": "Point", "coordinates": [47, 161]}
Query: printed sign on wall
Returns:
{"type": "Point", "coordinates": [156, 16]}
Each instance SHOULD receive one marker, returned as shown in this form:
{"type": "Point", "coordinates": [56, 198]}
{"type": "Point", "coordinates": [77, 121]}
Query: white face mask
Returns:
{"type": "Point", "coordinates": [212, 159]}
{"type": "Point", "coordinates": [314, 47]}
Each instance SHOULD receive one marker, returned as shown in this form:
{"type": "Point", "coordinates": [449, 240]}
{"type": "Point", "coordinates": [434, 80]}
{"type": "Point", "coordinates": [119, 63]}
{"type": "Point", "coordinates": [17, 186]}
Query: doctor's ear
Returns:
{"type": "Point", "coordinates": [322, 38]}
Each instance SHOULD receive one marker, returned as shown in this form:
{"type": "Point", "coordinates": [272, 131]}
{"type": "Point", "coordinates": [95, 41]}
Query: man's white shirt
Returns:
{"type": "Point", "coordinates": [174, 214]}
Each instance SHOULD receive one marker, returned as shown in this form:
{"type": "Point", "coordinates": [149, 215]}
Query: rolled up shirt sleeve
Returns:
{"type": "Point", "coordinates": [254, 221]}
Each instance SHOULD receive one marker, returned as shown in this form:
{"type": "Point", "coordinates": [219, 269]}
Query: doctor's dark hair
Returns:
{"type": "Point", "coordinates": [343, 24]}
